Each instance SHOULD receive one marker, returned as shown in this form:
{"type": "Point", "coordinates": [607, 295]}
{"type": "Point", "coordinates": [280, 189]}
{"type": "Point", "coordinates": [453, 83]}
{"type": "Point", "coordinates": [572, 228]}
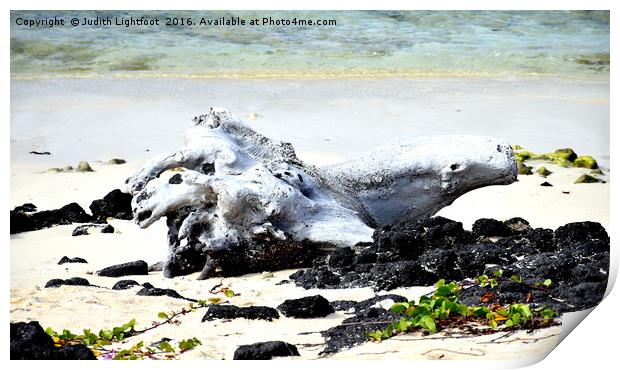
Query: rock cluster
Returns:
{"type": "Point", "coordinates": [30, 342]}
{"type": "Point", "coordinates": [265, 351]}
{"type": "Point", "coordinates": [575, 257]}
{"type": "Point", "coordinates": [115, 204]}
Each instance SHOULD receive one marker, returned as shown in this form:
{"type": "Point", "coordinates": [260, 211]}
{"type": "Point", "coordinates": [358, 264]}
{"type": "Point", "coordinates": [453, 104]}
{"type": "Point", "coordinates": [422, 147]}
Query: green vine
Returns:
{"type": "Point", "coordinates": [443, 310]}
{"type": "Point", "coordinates": [100, 341]}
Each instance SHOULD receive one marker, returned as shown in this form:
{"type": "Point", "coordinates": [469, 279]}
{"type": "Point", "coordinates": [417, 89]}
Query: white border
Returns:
{"type": "Point", "coordinates": [593, 343]}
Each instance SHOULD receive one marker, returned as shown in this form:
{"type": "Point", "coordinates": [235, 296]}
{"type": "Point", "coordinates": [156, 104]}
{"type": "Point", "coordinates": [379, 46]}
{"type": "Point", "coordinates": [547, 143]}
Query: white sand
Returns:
{"type": "Point", "coordinates": [93, 124]}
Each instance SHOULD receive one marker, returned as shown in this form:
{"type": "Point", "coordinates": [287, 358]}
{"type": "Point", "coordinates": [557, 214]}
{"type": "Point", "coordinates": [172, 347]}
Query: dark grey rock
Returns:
{"type": "Point", "coordinates": [21, 221]}
{"type": "Point", "coordinates": [230, 312]}
{"type": "Point", "coordinates": [124, 284]}
{"type": "Point", "coordinates": [265, 351]}
{"type": "Point", "coordinates": [66, 259]}
{"type": "Point", "coordinates": [125, 269]}
{"type": "Point", "coordinates": [76, 281]}
{"type": "Point", "coordinates": [115, 204]}
{"type": "Point", "coordinates": [30, 342]}
{"type": "Point", "coordinates": [306, 307]}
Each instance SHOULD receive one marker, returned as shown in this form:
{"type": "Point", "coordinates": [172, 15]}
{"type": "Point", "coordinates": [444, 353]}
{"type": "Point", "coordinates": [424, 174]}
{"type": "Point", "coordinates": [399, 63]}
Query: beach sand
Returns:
{"type": "Point", "coordinates": [327, 121]}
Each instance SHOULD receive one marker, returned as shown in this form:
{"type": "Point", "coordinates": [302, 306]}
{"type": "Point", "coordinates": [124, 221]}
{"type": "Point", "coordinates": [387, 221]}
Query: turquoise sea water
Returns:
{"type": "Point", "coordinates": [362, 43]}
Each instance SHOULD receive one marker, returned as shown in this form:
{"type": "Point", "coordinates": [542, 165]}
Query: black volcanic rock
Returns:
{"type": "Point", "coordinates": [26, 207]}
{"type": "Point", "coordinates": [306, 307]}
{"type": "Point", "coordinates": [490, 227]}
{"type": "Point", "coordinates": [229, 312]}
{"type": "Point", "coordinates": [86, 229]}
{"type": "Point", "coordinates": [150, 290]}
{"type": "Point", "coordinates": [578, 232]}
{"type": "Point", "coordinates": [115, 204]}
{"type": "Point", "coordinates": [76, 281]}
{"type": "Point", "coordinates": [517, 225]}
{"type": "Point", "coordinates": [21, 221]}
{"type": "Point", "coordinates": [125, 269]}
{"type": "Point", "coordinates": [353, 330]}
{"type": "Point", "coordinates": [124, 284]}
{"type": "Point", "coordinates": [66, 259]}
{"type": "Point", "coordinates": [346, 305]}
{"type": "Point", "coordinates": [30, 342]}
{"type": "Point", "coordinates": [341, 258]}
{"type": "Point", "coordinates": [265, 351]}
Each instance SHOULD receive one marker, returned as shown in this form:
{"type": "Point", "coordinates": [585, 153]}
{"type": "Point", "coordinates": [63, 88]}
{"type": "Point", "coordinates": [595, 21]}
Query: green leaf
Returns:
{"type": "Point", "coordinates": [443, 291]}
{"type": "Point", "coordinates": [106, 334]}
{"type": "Point", "coordinates": [547, 313]}
{"type": "Point", "coordinates": [229, 293]}
{"type": "Point", "coordinates": [547, 282]}
{"type": "Point", "coordinates": [215, 300]}
{"type": "Point", "coordinates": [188, 344]}
{"type": "Point", "coordinates": [428, 323]}
{"type": "Point", "coordinates": [162, 315]}
{"type": "Point", "coordinates": [375, 335]}
{"type": "Point", "coordinates": [165, 346]}
{"type": "Point", "coordinates": [399, 307]}
{"type": "Point", "coordinates": [516, 278]}
{"type": "Point", "coordinates": [498, 273]}
{"type": "Point", "coordinates": [67, 335]}
{"type": "Point", "coordinates": [49, 331]}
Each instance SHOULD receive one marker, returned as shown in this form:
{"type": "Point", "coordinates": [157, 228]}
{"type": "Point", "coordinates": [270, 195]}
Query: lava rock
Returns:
{"type": "Point", "coordinates": [265, 351]}
{"type": "Point", "coordinates": [489, 227]}
{"type": "Point", "coordinates": [230, 312]}
{"type": "Point", "coordinates": [115, 204]}
{"type": "Point", "coordinates": [26, 207]}
{"type": "Point", "coordinates": [353, 330]}
{"type": "Point", "coordinates": [124, 284]}
{"type": "Point", "coordinates": [30, 342]}
{"type": "Point", "coordinates": [447, 235]}
{"type": "Point", "coordinates": [346, 305]}
{"type": "Point", "coordinates": [444, 263]}
{"type": "Point", "coordinates": [262, 253]}
{"type": "Point", "coordinates": [579, 232]}
{"type": "Point", "coordinates": [517, 225]}
{"type": "Point", "coordinates": [71, 213]}
{"type": "Point", "coordinates": [150, 290]}
{"type": "Point", "coordinates": [86, 229]}
{"type": "Point", "coordinates": [306, 307]}
{"type": "Point", "coordinates": [341, 258]}
{"type": "Point", "coordinates": [546, 184]}
{"type": "Point", "coordinates": [107, 229]}
{"type": "Point", "coordinates": [66, 259]}
{"type": "Point", "coordinates": [124, 269]}
{"type": "Point", "coordinates": [75, 281]}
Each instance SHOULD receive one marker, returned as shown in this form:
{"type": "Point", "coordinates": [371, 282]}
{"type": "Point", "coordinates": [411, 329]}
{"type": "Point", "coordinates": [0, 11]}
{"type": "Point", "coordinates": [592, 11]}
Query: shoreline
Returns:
{"type": "Point", "coordinates": [311, 75]}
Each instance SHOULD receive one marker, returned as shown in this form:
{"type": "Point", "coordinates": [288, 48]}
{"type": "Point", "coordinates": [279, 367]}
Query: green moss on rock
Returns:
{"type": "Point", "coordinates": [523, 169]}
{"type": "Point", "coordinates": [585, 161]}
{"type": "Point", "coordinates": [84, 167]}
{"type": "Point", "coordinates": [586, 179]}
{"type": "Point", "coordinates": [562, 156]}
{"type": "Point", "coordinates": [543, 171]}
{"type": "Point", "coordinates": [117, 161]}
{"type": "Point", "coordinates": [597, 172]}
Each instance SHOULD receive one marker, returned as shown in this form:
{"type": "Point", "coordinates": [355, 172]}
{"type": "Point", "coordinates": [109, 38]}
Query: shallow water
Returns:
{"type": "Point", "coordinates": [362, 43]}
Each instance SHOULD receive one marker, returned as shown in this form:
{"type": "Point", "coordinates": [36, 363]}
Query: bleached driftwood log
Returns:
{"type": "Point", "coordinates": [239, 189]}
